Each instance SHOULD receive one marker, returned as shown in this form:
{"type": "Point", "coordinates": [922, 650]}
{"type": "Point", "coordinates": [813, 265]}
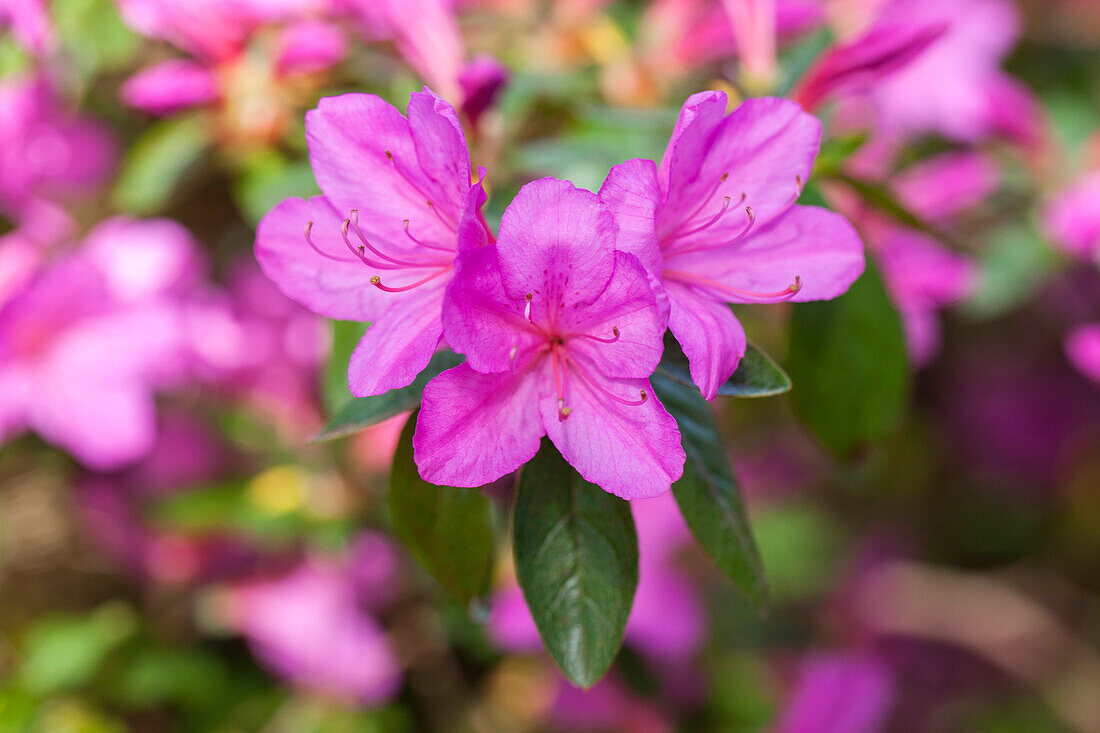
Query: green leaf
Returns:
{"type": "Point", "coordinates": [363, 412]}
{"type": "Point", "coordinates": [577, 562]}
{"type": "Point", "coordinates": [448, 529]}
{"type": "Point", "coordinates": [757, 375]}
{"type": "Point", "coordinates": [156, 162]}
{"type": "Point", "coordinates": [94, 35]}
{"type": "Point", "coordinates": [269, 177]}
{"type": "Point", "coordinates": [345, 337]}
{"type": "Point", "coordinates": [707, 493]}
{"type": "Point", "coordinates": [66, 652]}
{"type": "Point", "coordinates": [848, 360]}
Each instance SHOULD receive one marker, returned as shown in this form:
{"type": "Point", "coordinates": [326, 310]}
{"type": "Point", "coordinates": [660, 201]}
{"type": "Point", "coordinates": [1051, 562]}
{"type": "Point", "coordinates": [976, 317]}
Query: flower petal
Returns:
{"type": "Point", "coordinates": [635, 306]}
{"type": "Point", "coordinates": [170, 86]}
{"type": "Point", "coordinates": [555, 242]}
{"type": "Point", "coordinates": [632, 451]}
{"type": "Point", "coordinates": [474, 428]}
{"type": "Point", "coordinates": [763, 150]}
{"type": "Point", "coordinates": [816, 245]}
{"type": "Point", "coordinates": [632, 193]}
{"type": "Point", "coordinates": [710, 335]}
{"type": "Point", "coordinates": [333, 288]}
{"type": "Point", "coordinates": [1083, 349]}
{"type": "Point", "coordinates": [399, 344]}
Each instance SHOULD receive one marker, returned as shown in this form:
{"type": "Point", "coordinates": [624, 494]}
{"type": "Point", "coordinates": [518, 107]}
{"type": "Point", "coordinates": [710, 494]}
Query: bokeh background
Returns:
{"type": "Point", "coordinates": [176, 556]}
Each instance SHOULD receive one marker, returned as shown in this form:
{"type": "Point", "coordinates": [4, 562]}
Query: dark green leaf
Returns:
{"type": "Point", "coordinates": [848, 360]}
{"type": "Point", "coordinates": [448, 529]}
{"type": "Point", "coordinates": [757, 375]}
{"type": "Point", "coordinates": [345, 337]}
{"type": "Point", "coordinates": [366, 411]}
{"type": "Point", "coordinates": [577, 563]}
{"type": "Point", "coordinates": [707, 492]}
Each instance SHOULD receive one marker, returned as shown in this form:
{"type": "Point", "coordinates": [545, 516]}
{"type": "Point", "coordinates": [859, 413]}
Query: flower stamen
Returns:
{"type": "Point", "coordinates": [747, 296]}
{"type": "Point", "coordinates": [376, 281]}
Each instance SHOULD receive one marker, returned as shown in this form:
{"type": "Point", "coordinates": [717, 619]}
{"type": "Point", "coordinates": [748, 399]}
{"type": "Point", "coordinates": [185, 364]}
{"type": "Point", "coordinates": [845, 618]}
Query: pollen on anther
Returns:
{"type": "Point", "coordinates": [374, 280]}
{"type": "Point", "coordinates": [389, 155]}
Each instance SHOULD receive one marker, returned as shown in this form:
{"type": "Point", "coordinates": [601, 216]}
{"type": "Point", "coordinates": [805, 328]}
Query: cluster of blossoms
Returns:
{"type": "Point", "coordinates": [560, 315]}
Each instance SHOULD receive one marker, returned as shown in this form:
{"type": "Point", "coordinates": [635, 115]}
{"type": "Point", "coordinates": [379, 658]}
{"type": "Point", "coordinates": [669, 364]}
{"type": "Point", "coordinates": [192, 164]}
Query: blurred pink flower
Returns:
{"type": "Point", "coordinates": [47, 156]}
{"type": "Point", "coordinates": [397, 201]}
{"type": "Point", "coordinates": [717, 223]}
{"type": "Point", "coordinates": [316, 627]}
{"type": "Point", "coordinates": [28, 22]}
{"type": "Point", "coordinates": [84, 345]}
{"type": "Point", "coordinates": [955, 87]}
{"type": "Point", "coordinates": [257, 344]}
{"type": "Point", "coordinates": [667, 623]}
{"type": "Point", "coordinates": [427, 35]}
{"type": "Point", "coordinates": [1072, 218]}
{"type": "Point", "coordinates": [1083, 348]}
{"type": "Point", "coordinates": [608, 705]}
{"type": "Point", "coordinates": [250, 87]}
{"type": "Point", "coordinates": [114, 509]}
{"type": "Point", "coordinates": [561, 333]}
{"type": "Point", "coordinates": [845, 693]}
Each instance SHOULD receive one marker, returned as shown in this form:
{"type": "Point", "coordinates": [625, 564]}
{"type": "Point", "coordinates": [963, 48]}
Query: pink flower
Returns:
{"type": "Point", "coordinates": [315, 627]}
{"type": "Point", "coordinates": [1083, 348]}
{"type": "Point", "coordinates": [247, 84]}
{"type": "Point", "coordinates": [87, 341]}
{"type": "Point", "coordinates": [716, 222]}
{"type": "Point", "coordinates": [378, 245]}
{"type": "Point", "coordinates": [426, 34]}
{"type": "Point", "coordinates": [29, 23]}
{"type": "Point", "coordinates": [667, 622]}
{"type": "Point", "coordinates": [561, 334]}
{"type": "Point", "coordinates": [954, 88]}
{"type": "Point", "coordinates": [47, 155]}
{"type": "Point", "coordinates": [839, 694]}
{"type": "Point", "coordinates": [1073, 218]}
{"type": "Point", "coordinates": [257, 344]}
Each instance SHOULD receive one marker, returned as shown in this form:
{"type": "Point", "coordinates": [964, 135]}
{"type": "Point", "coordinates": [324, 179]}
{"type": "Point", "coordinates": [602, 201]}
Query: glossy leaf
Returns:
{"type": "Point", "coordinates": [757, 375]}
{"type": "Point", "coordinates": [848, 360]}
{"type": "Point", "coordinates": [576, 556]}
{"type": "Point", "coordinates": [707, 493]}
{"type": "Point", "coordinates": [449, 530]}
{"type": "Point", "coordinates": [345, 337]}
{"type": "Point", "coordinates": [363, 412]}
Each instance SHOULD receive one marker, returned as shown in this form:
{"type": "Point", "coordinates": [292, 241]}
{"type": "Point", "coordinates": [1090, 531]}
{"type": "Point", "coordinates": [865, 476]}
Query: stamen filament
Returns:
{"type": "Point", "coordinates": [559, 380]}
{"type": "Point", "coordinates": [613, 339]}
{"type": "Point", "coordinates": [527, 306]}
{"type": "Point", "coordinates": [366, 243]}
{"type": "Point", "coordinates": [746, 295]}
{"type": "Point", "coordinates": [592, 382]}
{"type": "Point", "coordinates": [718, 245]}
{"type": "Point", "coordinates": [318, 250]}
{"type": "Point", "coordinates": [377, 282]}
{"type": "Point", "coordinates": [702, 204]}
{"type": "Point", "coordinates": [426, 245]}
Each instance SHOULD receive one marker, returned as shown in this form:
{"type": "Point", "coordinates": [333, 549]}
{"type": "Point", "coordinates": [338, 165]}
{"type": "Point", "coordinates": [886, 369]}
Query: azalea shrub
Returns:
{"type": "Point", "coordinates": [484, 365]}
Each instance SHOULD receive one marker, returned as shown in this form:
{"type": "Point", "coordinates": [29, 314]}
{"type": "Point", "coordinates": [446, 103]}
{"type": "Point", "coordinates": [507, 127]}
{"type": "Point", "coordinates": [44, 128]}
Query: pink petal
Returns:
{"type": "Point", "coordinates": [632, 193]}
{"type": "Point", "coordinates": [474, 428]}
{"type": "Point", "coordinates": [632, 451]}
{"type": "Point", "coordinates": [764, 149]}
{"type": "Point", "coordinates": [481, 321]}
{"type": "Point", "coordinates": [633, 305]}
{"type": "Point", "coordinates": [399, 344]}
{"type": "Point", "coordinates": [170, 86]}
{"type": "Point", "coordinates": [310, 46]}
{"type": "Point", "coordinates": [945, 185]}
{"type": "Point", "coordinates": [816, 245]}
{"type": "Point", "coordinates": [440, 149]}
{"type": "Point", "coordinates": [1073, 218]}
{"type": "Point", "coordinates": [712, 338]}
{"type": "Point", "coordinates": [103, 427]}
{"type": "Point", "coordinates": [336, 289]}
{"type": "Point", "coordinates": [364, 157]}
{"type": "Point", "coordinates": [555, 242]}
{"type": "Point", "coordinates": [1083, 349]}
{"type": "Point", "coordinates": [839, 694]}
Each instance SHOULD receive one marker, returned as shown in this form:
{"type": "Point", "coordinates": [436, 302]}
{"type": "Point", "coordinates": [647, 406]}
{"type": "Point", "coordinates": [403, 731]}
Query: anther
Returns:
{"type": "Point", "coordinates": [512, 357]}
{"type": "Point", "coordinates": [377, 282]}
{"type": "Point", "coordinates": [309, 240]}
{"type": "Point", "coordinates": [389, 156]}
{"type": "Point", "coordinates": [527, 306]}
{"type": "Point", "coordinates": [563, 411]}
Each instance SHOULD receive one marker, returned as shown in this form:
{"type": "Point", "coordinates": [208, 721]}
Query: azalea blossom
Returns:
{"type": "Point", "coordinates": [840, 693]}
{"type": "Point", "coordinates": [378, 246]}
{"type": "Point", "coordinates": [28, 22]}
{"type": "Point", "coordinates": [316, 626]}
{"type": "Point", "coordinates": [717, 223]}
{"type": "Point", "coordinates": [87, 341]}
{"type": "Point", "coordinates": [561, 334]}
{"type": "Point", "coordinates": [48, 156]}
{"type": "Point", "coordinates": [955, 87]}
{"type": "Point", "coordinates": [245, 59]}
